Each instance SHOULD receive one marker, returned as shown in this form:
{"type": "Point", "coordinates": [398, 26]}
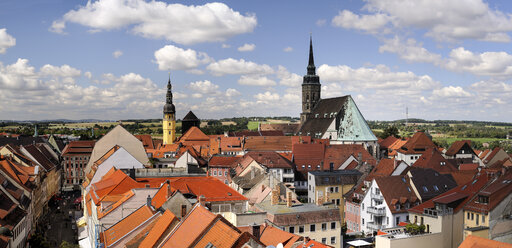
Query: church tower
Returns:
{"type": "Point", "coordinates": [310, 86]}
{"type": "Point", "coordinates": [169, 121]}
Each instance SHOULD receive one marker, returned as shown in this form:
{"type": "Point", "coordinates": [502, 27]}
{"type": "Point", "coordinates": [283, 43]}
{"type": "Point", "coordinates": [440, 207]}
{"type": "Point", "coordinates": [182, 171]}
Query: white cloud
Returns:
{"type": "Point", "coordinates": [211, 22]}
{"type": "Point", "coordinates": [267, 97]}
{"type": "Point", "coordinates": [175, 58]}
{"type": "Point", "coordinates": [117, 53]}
{"type": "Point", "coordinates": [88, 74]}
{"type": "Point", "coordinates": [226, 46]}
{"type": "Point", "coordinates": [287, 78]}
{"type": "Point", "coordinates": [232, 92]}
{"type": "Point", "coordinates": [288, 49]}
{"type": "Point", "coordinates": [369, 23]}
{"type": "Point", "coordinates": [6, 40]}
{"type": "Point", "coordinates": [450, 91]}
{"type": "Point", "coordinates": [204, 87]}
{"type": "Point", "coordinates": [246, 48]}
{"type": "Point", "coordinates": [442, 20]}
{"type": "Point", "coordinates": [64, 71]}
{"type": "Point", "coordinates": [496, 64]}
{"type": "Point", "coordinates": [377, 78]}
{"type": "Point", "coordinates": [233, 66]}
{"type": "Point", "coordinates": [256, 81]}
{"type": "Point", "coordinates": [410, 51]}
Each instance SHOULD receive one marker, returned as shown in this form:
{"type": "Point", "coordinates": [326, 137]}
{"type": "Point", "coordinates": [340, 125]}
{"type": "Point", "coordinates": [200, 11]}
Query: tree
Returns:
{"type": "Point", "coordinates": [415, 229]}
{"type": "Point", "coordinates": [390, 131]}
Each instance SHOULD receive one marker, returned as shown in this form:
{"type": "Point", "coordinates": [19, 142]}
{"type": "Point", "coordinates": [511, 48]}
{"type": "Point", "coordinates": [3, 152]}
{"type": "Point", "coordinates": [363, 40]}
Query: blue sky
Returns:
{"type": "Point", "coordinates": [109, 59]}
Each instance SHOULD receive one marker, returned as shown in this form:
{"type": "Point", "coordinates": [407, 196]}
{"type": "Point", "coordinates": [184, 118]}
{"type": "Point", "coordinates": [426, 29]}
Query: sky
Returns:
{"type": "Point", "coordinates": [111, 59]}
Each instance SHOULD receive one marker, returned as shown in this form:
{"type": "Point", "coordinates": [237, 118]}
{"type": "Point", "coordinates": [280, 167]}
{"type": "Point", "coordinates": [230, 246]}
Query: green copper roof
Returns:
{"type": "Point", "coordinates": [353, 126]}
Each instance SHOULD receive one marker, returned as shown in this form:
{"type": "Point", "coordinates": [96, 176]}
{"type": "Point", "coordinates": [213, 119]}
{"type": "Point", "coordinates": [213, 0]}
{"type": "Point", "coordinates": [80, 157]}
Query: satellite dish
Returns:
{"type": "Point", "coordinates": [280, 245]}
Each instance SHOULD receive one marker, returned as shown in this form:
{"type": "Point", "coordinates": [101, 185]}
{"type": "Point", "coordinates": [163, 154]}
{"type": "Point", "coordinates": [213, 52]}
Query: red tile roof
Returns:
{"type": "Point", "coordinates": [274, 236]}
{"type": "Point", "coordinates": [161, 195]}
{"type": "Point", "coordinates": [146, 140]}
{"type": "Point", "coordinates": [472, 166]}
{"type": "Point", "coordinates": [79, 147]}
{"type": "Point", "coordinates": [417, 144]}
{"type": "Point", "coordinates": [113, 184]}
{"type": "Point", "coordinates": [433, 159]}
{"type": "Point", "coordinates": [478, 242]}
{"type": "Point", "coordinates": [222, 161]}
{"type": "Point", "coordinates": [385, 143]}
{"type": "Point", "coordinates": [456, 146]}
{"type": "Point", "coordinates": [162, 225]}
{"type": "Point", "coordinates": [313, 244]}
{"type": "Point", "coordinates": [462, 194]}
{"type": "Point", "coordinates": [268, 143]}
{"type": "Point", "coordinates": [396, 189]}
{"type": "Point", "coordinates": [270, 159]}
{"type": "Point", "coordinates": [194, 134]}
{"type": "Point", "coordinates": [496, 191]}
{"type": "Point", "coordinates": [190, 227]}
{"type": "Point", "coordinates": [126, 225]}
{"type": "Point", "coordinates": [338, 154]}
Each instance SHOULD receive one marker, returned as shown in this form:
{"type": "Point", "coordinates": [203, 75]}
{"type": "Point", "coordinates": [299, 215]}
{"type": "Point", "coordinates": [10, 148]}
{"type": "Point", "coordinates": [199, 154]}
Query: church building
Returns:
{"type": "Point", "coordinates": [169, 121]}
{"type": "Point", "coordinates": [337, 119]}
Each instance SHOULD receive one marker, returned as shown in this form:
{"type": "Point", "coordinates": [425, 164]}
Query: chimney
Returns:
{"type": "Point", "coordinates": [132, 173]}
{"type": "Point", "coordinates": [202, 200]}
{"type": "Point", "coordinates": [289, 202]}
{"type": "Point", "coordinates": [256, 231]}
{"type": "Point", "coordinates": [274, 199]}
{"type": "Point", "coordinates": [149, 201]}
{"type": "Point", "coordinates": [169, 191]}
{"type": "Point", "coordinates": [394, 163]}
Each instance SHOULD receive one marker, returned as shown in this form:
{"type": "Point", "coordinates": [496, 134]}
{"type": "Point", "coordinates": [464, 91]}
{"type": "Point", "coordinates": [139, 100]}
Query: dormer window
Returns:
{"type": "Point", "coordinates": [397, 206]}
{"type": "Point", "coordinates": [443, 163]}
{"type": "Point", "coordinates": [436, 188]}
{"type": "Point", "coordinates": [325, 115]}
{"type": "Point", "coordinates": [483, 199]}
{"type": "Point", "coordinates": [425, 189]}
{"type": "Point", "coordinates": [316, 115]}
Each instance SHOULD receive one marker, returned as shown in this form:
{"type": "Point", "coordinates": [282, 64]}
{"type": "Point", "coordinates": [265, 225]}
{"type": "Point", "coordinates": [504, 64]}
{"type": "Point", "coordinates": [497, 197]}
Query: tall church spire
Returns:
{"type": "Point", "coordinates": [169, 106]}
{"type": "Point", "coordinates": [311, 64]}
{"type": "Point", "coordinates": [310, 86]}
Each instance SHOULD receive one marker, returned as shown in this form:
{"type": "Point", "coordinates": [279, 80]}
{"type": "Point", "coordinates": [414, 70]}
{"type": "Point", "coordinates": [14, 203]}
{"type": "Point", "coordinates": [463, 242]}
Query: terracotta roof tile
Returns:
{"type": "Point", "coordinates": [496, 191]}
{"type": "Point", "coordinates": [270, 159]}
{"type": "Point", "coordinates": [273, 236]}
{"type": "Point", "coordinates": [456, 146]}
{"type": "Point", "coordinates": [222, 161]}
{"type": "Point", "coordinates": [146, 140]}
{"type": "Point", "coordinates": [385, 143]}
{"type": "Point", "coordinates": [314, 244]}
{"type": "Point", "coordinates": [478, 242]}
{"type": "Point", "coordinates": [268, 143]}
{"type": "Point", "coordinates": [220, 234]}
{"type": "Point", "coordinates": [418, 143]}
{"type": "Point", "coordinates": [190, 228]}
{"type": "Point", "coordinates": [393, 188]}
{"type": "Point", "coordinates": [433, 159]}
{"type": "Point", "coordinates": [161, 195]}
{"type": "Point", "coordinates": [161, 226]}
{"type": "Point", "coordinates": [126, 225]}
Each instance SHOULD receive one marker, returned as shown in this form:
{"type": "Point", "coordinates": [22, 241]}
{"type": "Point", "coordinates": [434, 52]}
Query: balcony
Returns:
{"type": "Point", "coordinates": [437, 212]}
{"type": "Point", "coordinates": [374, 226]}
{"type": "Point", "coordinates": [376, 211]}
{"type": "Point", "coordinates": [378, 197]}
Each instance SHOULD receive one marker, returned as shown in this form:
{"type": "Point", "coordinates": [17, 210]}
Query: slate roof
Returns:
{"type": "Point", "coordinates": [190, 116]}
{"type": "Point", "coordinates": [39, 157]}
{"type": "Point", "coordinates": [430, 183]}
{"type": "Point", "coordinates": [336, 177]}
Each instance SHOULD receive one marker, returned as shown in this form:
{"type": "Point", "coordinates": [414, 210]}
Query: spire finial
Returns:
{"type": "Point", "coordinates": [311, 64]}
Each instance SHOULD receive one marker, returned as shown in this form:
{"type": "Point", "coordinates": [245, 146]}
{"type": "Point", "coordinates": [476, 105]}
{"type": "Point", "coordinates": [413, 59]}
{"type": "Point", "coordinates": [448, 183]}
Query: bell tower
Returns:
{"type": "Point", "coordinates": [310, 86]}
{"type": "Point", "coordinates": [169, 121]}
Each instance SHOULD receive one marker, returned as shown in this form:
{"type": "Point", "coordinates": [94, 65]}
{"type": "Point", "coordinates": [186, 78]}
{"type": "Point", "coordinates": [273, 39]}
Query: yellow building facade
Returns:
{"type": "Point", "coordinates": [169, 120]}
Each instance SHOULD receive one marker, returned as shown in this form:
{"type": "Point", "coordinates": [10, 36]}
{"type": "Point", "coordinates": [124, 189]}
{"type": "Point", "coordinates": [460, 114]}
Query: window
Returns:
{"type": "Point", "coordinates": [421, 221]}
{"type": "Point", "coordinates": [301, 229]}
{"type": "Point", "coordinates": [338, 202]}
{"type": "Point", "coordinates": [292, 229]}
{"type": "Point", "coordinates": [226, 173]}
{"type": "Point", "coordinates": [477, 219]}
{"type": "Point", "coordinates": [483, 219]}
{"type": "Point", "coordinates": [407, 218]}
{"type": "Point", "coordinates": [468, 216]}
{"type": "Point", "coordinates": [336, 190]}
{"type": "Point", "coordinates": [333, 240]}
{"type": "Point", "coordinates": [324, 240]}
{"type": "Point", "coordinates": [312, 228]}
{"type": "Point", "coordinates": [472, 216]}
{"type": "Point", "coordinates": [215, 173]}
{"type": "Point", "coordinates": [436, 188]}
{"type": "Point", "coordinates": [333, 225]}
{"type": "Point", "coordinates": [425, 189]}
{"type": "Point", "coordinates": [397, 219]}
{"type": "Point", "coordinates": [183, 210]}
{"type": "Point", "coordinates": [363, 221]}
{"type": "Point", "coordinates": [309, 166]}
{"type": "Point", "coordinates": [324, 226]}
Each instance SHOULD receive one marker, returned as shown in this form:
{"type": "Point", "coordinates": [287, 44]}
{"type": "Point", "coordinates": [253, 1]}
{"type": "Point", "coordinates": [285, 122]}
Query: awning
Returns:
{"type": "Point", "coordinates": [81, 222]}
{"type": "Point", "coordinates": [358, 243]}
